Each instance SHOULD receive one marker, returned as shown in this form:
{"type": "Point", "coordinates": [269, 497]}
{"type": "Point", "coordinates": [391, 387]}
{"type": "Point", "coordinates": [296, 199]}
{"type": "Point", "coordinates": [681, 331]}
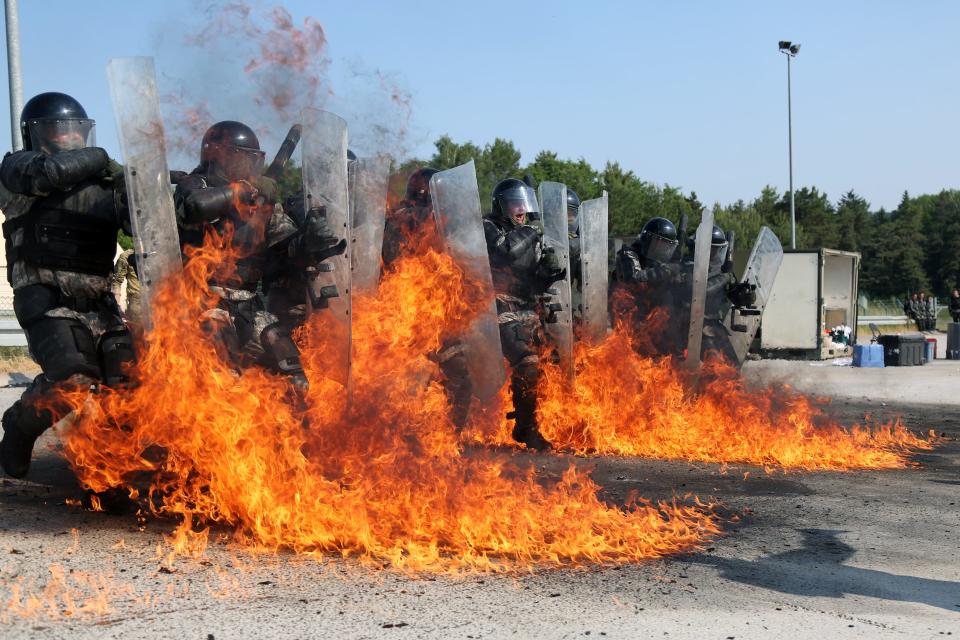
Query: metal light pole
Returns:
{"type": "Point", "coordinates": [13, 71]}
{"type": "Point", "coordinates": [790, 50]}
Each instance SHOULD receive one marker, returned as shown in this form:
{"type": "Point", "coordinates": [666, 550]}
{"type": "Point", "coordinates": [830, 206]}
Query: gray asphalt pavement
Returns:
{"type": "Point", "coordinates": [816, 555]}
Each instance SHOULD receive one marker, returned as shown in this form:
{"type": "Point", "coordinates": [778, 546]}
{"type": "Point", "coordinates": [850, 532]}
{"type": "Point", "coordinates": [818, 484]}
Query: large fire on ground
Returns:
{"type": "Point", "coordinates": [385, 477]}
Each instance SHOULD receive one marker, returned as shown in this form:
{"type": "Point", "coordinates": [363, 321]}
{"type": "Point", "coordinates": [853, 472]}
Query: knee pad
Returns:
{"type": "Point", "coordinates": [63, 347]}
{"type": "Point", "coordinates": [116, 357]}
{"type": "Point", "coordinates": [281, 349]}
{"type": "Point", "coordinates": [32, 301]}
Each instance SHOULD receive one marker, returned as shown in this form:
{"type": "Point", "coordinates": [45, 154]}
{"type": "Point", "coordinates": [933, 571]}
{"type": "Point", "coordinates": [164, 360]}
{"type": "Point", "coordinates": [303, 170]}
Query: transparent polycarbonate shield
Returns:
{"type": "Point", "coordinates": [763, 265]}
{"type": "Point", "coordinates": [324, 148]}
{"type": "Point", "coordinates": [761, 271]}
{"type": "Point", "coordinates": [553, 205]}
{"type": "Point", "coordinates": [368, 197]}
{"type": "Point", "coordinates": [595, 268]}
{"type": "Point", "coordinates": [698, 287]}
{"type": "Point", "coordinates": [136, 105]}
{"type": "Point", "coordinates": [456, 208]}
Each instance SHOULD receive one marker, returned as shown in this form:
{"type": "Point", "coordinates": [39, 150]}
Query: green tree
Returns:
{"type": "Point", "coordinates": [816, 219]}
{"type": "Point", "coordinates": [576, 174]}
{"type": "Point", "coordinates": [942, 242]}
{"type": "Point", "coordinates": [853, 222]}
{"type": "Point", "coordinates": [905, 267]}
{"type": "Point", "coordinates": [632, 201]}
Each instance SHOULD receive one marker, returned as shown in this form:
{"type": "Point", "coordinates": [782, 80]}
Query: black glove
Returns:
{"type": "Point", "coordinates": [317, 234]}
{"type": "Point", "coordinates": [318, 239]}
{"type": "Point", "coordinates": [742, 294]}
{"type": "Point", "coordinates": [549, 269]}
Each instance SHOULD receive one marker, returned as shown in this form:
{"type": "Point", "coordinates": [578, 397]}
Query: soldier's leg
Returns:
{"type": "Point", "coordinates": [518, 340]}
{"type": "Point", "coordinates": [65, 350]}
{"type": "Point", "coordinates": [280, 352]}
{"type": "Point", "coordinates": [452, 359]}
{"type": "Point", "coordinates": [115, 348]}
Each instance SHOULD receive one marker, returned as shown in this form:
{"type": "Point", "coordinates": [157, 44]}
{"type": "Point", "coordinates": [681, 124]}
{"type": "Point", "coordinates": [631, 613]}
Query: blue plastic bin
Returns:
{"type": "Point", "coordinates": [868, 356]}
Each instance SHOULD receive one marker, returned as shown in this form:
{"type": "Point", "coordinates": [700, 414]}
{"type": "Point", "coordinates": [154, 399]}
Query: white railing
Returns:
{"type": "Point", "coordinates": [883, 320]}
{"type": "Point", "coordinates": [11, 335]}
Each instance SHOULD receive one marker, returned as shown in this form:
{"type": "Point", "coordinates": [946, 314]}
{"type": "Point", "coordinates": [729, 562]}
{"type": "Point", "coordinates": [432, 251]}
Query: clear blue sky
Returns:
{"type": "Point", "coordinates": [687, 93]}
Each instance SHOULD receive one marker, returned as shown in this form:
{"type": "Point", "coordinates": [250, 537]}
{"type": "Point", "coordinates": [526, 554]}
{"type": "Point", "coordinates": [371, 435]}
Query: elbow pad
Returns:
{"type": "Point", "coordinates": [64, 170]}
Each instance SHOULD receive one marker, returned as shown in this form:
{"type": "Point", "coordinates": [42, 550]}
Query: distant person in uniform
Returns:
{"type": "Point", "coordinates": [955, 305]}
{"type": "Point", "coordinates": [915, 311]}
{"type": "Point", "coordinates": [125, 273]}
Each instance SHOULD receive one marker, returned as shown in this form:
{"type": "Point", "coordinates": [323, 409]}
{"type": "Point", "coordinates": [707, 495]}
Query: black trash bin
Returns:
{"type": "Point", "coordinates": [903, 349]}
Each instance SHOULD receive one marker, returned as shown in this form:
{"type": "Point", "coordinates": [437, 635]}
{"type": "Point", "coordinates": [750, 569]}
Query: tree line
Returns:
{"type": "Point", "coordinates": [915, 247]}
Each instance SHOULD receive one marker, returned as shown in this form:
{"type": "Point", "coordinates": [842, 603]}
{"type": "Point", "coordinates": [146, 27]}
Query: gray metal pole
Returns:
{"type": "Point", "coordinates": [13, 70]}
{"type": "Point", "coordinates": [793, 213]}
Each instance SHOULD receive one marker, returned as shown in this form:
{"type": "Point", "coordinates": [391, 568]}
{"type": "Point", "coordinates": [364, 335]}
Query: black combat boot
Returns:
{"type": "Point", "coordinates": [525, 428]}
{"type": "Point", "coordinates": [16, 448]}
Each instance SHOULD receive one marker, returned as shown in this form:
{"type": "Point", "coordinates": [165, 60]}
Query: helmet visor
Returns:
{"type": "Point", "coordinates": [718, 253]}
{"type": "Point", "coordinates": [573, 219]}
{"type": "Point", "coordinates": [53, 135]}
{"type": "Point", "coordinates": [660, 249]}
{"type": "Point", "coordinates": [238, 163]}
{"type": "Point", "coordinates": [519, 203]}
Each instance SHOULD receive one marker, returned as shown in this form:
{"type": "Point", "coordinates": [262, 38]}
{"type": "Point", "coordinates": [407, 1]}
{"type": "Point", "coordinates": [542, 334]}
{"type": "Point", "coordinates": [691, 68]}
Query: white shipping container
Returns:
{"type": "Point", "coordinates": [815, 290]}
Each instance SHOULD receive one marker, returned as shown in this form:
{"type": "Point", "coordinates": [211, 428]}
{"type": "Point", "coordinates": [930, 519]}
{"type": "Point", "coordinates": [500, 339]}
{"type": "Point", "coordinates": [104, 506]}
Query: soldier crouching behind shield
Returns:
{"type": "Point", "coordinates": [723, 292]}
{"type": "Point", "coordinates": [649, 271]}
{"type": "Point", "coordinates": [522, 269]}
{"type": "Point", "coordinates": [228, 192]}
{"type": "Point", "coordinates": [66, 204]}
{"type": "Point", "coordinates": [408, 229]}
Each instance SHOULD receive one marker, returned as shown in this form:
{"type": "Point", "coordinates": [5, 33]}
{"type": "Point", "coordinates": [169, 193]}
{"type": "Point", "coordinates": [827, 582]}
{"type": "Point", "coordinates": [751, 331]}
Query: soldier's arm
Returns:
{"type": "Point", "coordinates": [510, 245]}
{"type": "Point", "coordinates": [37, 174]}
{"type": "Point", "coordinates": [196, 202]}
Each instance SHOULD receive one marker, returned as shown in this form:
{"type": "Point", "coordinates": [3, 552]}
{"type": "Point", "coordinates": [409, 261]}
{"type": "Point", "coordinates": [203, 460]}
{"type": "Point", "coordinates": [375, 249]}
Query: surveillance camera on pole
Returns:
{"type": "Point", "coordinates": [790, 50]}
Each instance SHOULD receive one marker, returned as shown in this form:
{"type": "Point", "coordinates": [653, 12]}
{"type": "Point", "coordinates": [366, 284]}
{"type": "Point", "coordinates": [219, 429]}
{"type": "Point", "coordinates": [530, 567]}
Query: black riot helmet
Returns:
{"type": "Point", "coordinates": [351, 156]}
{"type": "Point", "coordinates": [718, 247]}
{"type": "Point", "coordinates": [514, 201]}
{"type": "Point", "coordinates": [231, 148]}
{"type": "Point", "coordinates": [418, 187]}
{"type": "Point", "coordinates": [54, 122]}
{"type": "Point", "coordinates": [573, 211]}
{"type": "Point", "coordinates": [657, 241]}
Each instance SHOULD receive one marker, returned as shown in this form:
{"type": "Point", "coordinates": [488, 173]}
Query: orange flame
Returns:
{"type": "Point", "coordinates": [628, 404]}
{"type": "Point", "coordinates": [384, 479]}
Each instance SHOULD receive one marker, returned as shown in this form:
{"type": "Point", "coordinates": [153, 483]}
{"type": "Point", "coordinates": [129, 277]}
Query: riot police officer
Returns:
{"type": "Point", "coordinates": [723, 293]}
{"type": "Point", "coordinates": [648, 271]}
{"type": "Point", "coordinates": [576, 272]}
{"type": "Point", "coordinates": [522, 269]}
{"type": "Point", "coordinates": [64, 203]}
{"type": "Point", "coordinates": [229, 193]}
{"type": "Point", "coordinates": [410, 229]}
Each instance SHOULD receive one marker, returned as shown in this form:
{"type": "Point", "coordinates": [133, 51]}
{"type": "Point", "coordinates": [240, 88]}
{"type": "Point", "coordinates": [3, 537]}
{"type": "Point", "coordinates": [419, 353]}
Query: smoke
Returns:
{"type": "Point", "coordinates": [262, 65]}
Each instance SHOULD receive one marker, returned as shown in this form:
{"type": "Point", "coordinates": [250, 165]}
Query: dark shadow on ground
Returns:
{"type": "Point", "coordinates": [817, 569]}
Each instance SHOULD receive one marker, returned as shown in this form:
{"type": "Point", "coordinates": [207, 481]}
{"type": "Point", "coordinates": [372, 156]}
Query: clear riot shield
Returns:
{"type": "Point", "coordinates": [324, 148]}
{"type": "Point", "coordinates": [368, 200]}
{"type": "Point", "coordinates": [760, 272]}
{"type": "Point", "coordinates": [456, 208]}
{"type": "Point", "coordinates": [553, 205]}
{"type": "Point", "coordinates": [594, 258]}
{"type": "Point", "coordinates": [133, 89]}
{"type": "Point", "coordinates": [698, 287]}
